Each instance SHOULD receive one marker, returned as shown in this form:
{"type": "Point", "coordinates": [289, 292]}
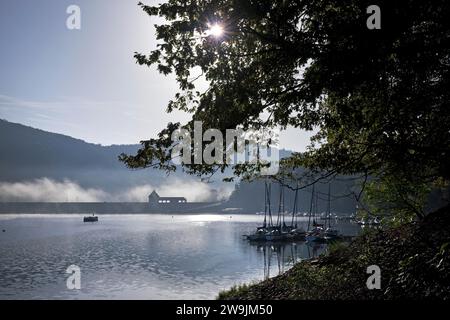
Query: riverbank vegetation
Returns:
{"type": "Point", "coordinates": [414, 260]}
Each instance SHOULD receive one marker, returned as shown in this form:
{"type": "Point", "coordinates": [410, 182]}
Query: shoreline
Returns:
{"type": "Point", "coordinates": [414, 260]}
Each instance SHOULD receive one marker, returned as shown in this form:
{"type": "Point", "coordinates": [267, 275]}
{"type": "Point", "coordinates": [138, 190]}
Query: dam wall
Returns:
{"type": "Point", "coordinates": [108, 207]}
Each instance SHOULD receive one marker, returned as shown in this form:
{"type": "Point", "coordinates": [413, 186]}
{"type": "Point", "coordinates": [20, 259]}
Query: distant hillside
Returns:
{"type": "Point", "coordinates": [28, 153]}
{"type": "Point", "coordinates": [26, 146]}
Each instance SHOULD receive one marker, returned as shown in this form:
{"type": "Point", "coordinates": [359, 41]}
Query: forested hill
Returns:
{"type": "Point", "coordinates": [28, 153]}
{"type": "Point", "coordinates": [26, 146]}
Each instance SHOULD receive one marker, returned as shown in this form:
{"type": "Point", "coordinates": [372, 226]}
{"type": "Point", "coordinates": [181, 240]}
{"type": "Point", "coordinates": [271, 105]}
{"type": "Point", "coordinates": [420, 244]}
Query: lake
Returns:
{"type": "Point", "coordinates": [139, 256]}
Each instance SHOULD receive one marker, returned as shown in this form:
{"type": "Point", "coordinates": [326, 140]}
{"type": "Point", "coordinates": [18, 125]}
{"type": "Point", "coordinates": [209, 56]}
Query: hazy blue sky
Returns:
{"type": "Point", "coordinates": [85, 83]}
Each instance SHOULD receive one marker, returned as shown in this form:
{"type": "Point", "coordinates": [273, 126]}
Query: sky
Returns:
{"type": "Point", "coordinates": [85, 83]}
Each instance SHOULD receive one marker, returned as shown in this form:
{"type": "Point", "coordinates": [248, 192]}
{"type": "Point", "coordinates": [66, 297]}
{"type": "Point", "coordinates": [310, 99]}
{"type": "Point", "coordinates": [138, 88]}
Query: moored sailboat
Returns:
{"type": "Point", "coordinates": [321, 232]}
{"type": "Point", "coordinates": [317, 232]}
{"type": "Point", "coordinates": [280, 230]}
{"type": "Point", "coordinates": [297, 233]}
{"type": "Point", "coordinates": [260, 233]}
{"type": "Point", "coordinates": [330, 233]}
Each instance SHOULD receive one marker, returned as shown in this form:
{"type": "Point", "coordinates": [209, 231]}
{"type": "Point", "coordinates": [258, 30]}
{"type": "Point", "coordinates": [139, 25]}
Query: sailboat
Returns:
{"type": "Point", "coordinates": [316, 234]}
{"type": "Point", "coordinates": [260, 233]}
{"type": "Point", "coordinates": [280, 231]}
{"type": "Point", "coordinates": [330, 233]}
{"type": "Point", "coordinates": [316, 209]}
{"type": "Point", "coordinates": [297, 233]}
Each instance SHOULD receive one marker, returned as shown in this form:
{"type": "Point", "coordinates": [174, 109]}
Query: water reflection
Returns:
{"type": "Point", "coordinates": [279, 257]}
{"type": "Point", "coordinates": [138, 257]}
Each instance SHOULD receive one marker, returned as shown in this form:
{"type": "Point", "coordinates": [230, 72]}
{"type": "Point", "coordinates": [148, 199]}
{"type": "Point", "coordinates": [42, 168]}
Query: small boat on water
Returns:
{"type": "Point", "coordinates": [277, 235]}
{"type": "Point", "coordinates": [92, 218]}
{"type": "Point", "coordinates": [331, 234]}
{"type": "Point", "coordinates": [317, 234]}
{"type": "Point", "coordinates": [259, 235]}
{"type": "Point", "coordinates": [320, 231]}
{"type": "Point", "coordinates": [316, 224]}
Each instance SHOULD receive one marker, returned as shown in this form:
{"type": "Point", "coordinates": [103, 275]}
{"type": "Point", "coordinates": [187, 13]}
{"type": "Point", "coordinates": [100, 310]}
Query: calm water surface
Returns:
{"type": "Point", "coordinates": [138, 256]}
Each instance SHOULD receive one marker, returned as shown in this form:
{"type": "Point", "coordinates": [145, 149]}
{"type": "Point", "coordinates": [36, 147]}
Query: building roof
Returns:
{"type": "Point", "coordinates": [155, 195]}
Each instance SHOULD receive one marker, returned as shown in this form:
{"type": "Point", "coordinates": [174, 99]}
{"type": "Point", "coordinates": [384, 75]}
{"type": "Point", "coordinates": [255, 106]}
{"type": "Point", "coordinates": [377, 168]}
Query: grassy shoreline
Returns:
{"type": "Point", "coordinates": [414, 260]}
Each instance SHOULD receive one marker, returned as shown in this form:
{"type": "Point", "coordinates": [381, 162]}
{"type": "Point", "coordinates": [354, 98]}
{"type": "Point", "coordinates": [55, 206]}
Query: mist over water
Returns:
{"type": "Point", "coordinates": [137, 257]}
{"type": "Point", "coordinates": [49, 190]}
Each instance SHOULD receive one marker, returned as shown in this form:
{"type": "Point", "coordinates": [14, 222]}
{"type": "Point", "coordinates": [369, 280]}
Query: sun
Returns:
{"type": "Point", "coordinates": [215, 30]}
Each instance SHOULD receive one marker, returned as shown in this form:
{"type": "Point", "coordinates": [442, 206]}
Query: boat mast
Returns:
{"type": "Point", "coordinates": [329, 206]}
{"type": "Point", "coordinates": [314, 212]}
{"type": "Point", "coordinates": [294, 209]}
{"type": "Point", "coordinates": [311, 206]}
{"type": "Point", "coordinates": [279, 206]}
{"type": "Point", "coordinates": [269, 195]}
{"type": "Point", "coordinates": [282, 206]}
{"type": "Point", "coordinates": [265, 204]}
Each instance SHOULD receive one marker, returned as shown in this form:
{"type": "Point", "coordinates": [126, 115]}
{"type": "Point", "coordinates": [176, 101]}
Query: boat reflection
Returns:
{"type": "Point", "coordinates": [280, 257]}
